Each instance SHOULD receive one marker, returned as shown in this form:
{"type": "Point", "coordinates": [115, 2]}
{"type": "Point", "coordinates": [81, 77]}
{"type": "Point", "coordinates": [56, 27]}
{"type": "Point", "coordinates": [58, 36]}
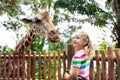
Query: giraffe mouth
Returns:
{"type": "Point", "coordinates": [53, 37]}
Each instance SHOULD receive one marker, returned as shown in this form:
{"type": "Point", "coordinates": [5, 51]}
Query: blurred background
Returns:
{"type": "Point", "coordinates": [99, 18]}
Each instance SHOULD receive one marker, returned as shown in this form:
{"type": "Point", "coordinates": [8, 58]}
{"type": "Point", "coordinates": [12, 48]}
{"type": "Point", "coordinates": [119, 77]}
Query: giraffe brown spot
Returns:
{"type": "Point", "coordinates": [26, 43]}
{"type": "Point", "coordinates": [30, 33]}
{"type": "Point", "coordinates": [29, 38]}
{"type": "Point", "coordinates": [22, 47]}
{"type": "Point", "coordinates": [19, 49]}
{"type": "Point", "coordinates": [33, 36]}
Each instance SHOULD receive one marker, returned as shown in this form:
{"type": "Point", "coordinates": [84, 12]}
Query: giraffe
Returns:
{"type": "Point", "coordinates": [41, 25]}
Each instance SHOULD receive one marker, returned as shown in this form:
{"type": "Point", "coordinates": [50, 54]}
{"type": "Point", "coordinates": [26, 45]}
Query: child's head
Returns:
{"type": "Point", "coordinates": [81, 40]}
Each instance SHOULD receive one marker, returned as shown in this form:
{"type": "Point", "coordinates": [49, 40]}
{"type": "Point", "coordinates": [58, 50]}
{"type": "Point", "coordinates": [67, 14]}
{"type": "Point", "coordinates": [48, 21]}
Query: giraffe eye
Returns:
{"type": "Point", "coordinates": [37, 20]}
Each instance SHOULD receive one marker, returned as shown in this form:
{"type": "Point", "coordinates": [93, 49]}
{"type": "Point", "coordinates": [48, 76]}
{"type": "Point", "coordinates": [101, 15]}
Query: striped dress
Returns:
{"type": "Point", "coordinates": [81, 61]}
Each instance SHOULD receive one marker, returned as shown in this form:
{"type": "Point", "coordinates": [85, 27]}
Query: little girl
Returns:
{"type": "Point", "coordinates": [81, 60]}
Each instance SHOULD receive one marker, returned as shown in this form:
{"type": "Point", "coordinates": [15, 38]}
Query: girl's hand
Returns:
{"type": "Point", "coordinates": [66, 75]}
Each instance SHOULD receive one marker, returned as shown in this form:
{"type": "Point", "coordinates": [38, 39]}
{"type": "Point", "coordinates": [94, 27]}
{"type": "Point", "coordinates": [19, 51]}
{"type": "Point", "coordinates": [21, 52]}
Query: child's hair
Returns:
{"type": "Point", "coordinates": [87, 43]}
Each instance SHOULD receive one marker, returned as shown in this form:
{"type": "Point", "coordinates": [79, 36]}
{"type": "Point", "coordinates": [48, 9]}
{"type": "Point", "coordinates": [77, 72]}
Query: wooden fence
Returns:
{"type": "Point", "coordinates": [105, 65]}
{"type": "Point", "coordinates": [49, 66]}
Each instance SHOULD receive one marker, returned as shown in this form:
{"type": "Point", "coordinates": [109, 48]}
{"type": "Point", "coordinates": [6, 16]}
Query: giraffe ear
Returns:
{"type": "Point", "coordinates": [26, 21]}
{"type": "Point", "coordinates": [36, 8]}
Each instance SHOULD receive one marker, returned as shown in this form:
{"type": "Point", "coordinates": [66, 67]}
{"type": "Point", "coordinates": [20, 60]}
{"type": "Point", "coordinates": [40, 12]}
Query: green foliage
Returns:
{"type": "Point", "coordinates": [102, 46]}
{"type": "Point", "coordinates": [37, 44]}
{"type": "Point", "coordinates": [6, 49]}
{"type": "Point", "coordinates": [80, 6]}
{"type": "Point", "coordinates": [9, 6]}
{"type": "Point", "coordinates": [46, 2]}
{"type": "Point", "coordinates": [90, 8]}
{"type": "Point", "coordinates": [55, 46]}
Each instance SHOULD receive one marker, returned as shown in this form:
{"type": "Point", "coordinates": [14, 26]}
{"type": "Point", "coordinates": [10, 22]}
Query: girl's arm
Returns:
{"type": "Point", "coordinates": [73, 74]}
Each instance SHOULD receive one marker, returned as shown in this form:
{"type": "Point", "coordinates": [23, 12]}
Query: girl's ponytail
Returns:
{"type": "Point", "coordinates": [89, 49]}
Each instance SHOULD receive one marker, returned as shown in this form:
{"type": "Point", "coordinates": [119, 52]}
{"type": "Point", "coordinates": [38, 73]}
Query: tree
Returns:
{"type": "Point", "coordinates": [116, 29]}
{"type": "Point", "coordinates": [97, 16]}
{"type": "Point", "coordinates": [63, 13]}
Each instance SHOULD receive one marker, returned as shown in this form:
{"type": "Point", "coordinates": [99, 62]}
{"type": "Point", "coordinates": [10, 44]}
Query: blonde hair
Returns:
{"type": "Point", "coordinates": [87, 43]}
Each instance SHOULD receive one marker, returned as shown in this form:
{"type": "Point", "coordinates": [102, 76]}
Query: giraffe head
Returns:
{"type": "Point", "coordinates": [42, 24]}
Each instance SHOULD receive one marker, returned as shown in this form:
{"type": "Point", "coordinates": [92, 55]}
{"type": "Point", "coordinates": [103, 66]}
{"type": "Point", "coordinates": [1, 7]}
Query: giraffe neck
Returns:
{"type": "Point", "coordinates": [25, 42]}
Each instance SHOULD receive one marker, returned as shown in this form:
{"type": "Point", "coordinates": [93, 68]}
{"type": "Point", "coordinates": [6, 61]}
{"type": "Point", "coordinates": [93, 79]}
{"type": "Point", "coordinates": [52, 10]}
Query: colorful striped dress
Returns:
{"type": "Point", "coordinates": [81, 61]}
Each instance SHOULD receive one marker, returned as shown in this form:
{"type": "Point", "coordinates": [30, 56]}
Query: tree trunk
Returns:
{"type": "Point", "coordinates": [116, 4]}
